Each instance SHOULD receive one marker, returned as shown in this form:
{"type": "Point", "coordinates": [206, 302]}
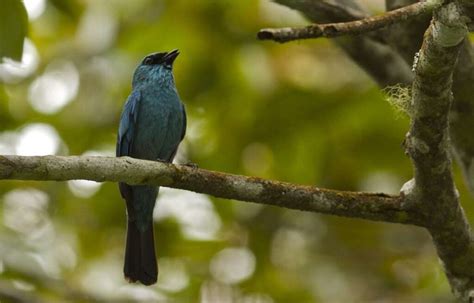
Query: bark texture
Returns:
{"type": "Point", "coordinates": [372, 206]}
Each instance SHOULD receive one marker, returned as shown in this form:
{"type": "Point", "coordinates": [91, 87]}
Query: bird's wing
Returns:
{"type": "Point", "coordinates": [127, 127]}
{"type": "Point", "coordinates": [183, 132]}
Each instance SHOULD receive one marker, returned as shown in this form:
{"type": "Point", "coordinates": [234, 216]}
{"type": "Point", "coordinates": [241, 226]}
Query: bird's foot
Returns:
{"type": "Point", "coordinates": [191, 165]}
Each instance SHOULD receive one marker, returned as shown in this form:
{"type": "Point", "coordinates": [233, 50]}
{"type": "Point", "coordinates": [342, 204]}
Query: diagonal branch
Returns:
{"type": "Point", "coordinates": [372, 206]}
{"type": "Point", "coordinates": [433, 192]}
{"type": "Point", "coordinates": [357, 27]}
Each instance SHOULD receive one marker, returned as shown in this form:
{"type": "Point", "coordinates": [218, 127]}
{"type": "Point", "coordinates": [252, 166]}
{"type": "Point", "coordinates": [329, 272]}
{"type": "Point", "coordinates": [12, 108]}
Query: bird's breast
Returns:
{"type": "Point", "coordinates": [159, 126]}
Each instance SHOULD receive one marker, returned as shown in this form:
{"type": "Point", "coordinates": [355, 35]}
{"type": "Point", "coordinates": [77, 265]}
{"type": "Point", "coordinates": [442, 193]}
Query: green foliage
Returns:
{"type": "Point", "coordinates": [13, 28]}
{"type": "Point", "coordinates": [72, 8]}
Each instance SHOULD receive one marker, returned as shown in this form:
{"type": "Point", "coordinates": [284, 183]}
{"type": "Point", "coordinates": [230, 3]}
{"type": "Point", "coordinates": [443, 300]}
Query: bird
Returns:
{"type": "Point", "coordinates": [152, 125]}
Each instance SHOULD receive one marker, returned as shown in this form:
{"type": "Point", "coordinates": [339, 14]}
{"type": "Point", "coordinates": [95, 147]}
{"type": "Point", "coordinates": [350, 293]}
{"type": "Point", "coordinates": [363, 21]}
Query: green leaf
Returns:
{"type": "Point", "coordinates": [13, 29]}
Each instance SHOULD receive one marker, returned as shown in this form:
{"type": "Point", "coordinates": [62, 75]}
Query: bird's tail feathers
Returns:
{"type": "Point", "coordinates": [140, 261]}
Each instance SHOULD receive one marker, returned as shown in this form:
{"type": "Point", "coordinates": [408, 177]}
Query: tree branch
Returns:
{"type": "Point", "coordinates": [406, 38]}
{"type": "Point", "coordinates": [433, 192]}
{"type": "Point", "coordinates": [372, 206]}
{"type": "Point", "coordinates": [348, 28]}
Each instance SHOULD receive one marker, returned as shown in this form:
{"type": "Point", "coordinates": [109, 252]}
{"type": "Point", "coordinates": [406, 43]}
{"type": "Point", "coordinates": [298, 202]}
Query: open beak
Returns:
{"type": "Point", "coordinates": [170, 57]}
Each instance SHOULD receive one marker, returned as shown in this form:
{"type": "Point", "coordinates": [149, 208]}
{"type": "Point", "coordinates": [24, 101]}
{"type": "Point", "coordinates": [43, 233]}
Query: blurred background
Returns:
{"type": "Point", "coordinates": [299, 112]}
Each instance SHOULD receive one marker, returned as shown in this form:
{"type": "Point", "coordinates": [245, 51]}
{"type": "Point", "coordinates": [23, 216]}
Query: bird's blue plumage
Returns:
{"type": "Point", "coordinates": [127, 124]}
{"type": "Point", "coordinates": [152, 125]}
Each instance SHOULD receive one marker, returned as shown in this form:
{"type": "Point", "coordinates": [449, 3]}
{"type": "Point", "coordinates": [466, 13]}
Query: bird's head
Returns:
{"type": "Point", "coordinates": [156, 67]}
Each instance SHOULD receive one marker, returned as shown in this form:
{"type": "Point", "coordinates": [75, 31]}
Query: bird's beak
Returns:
{"type": "Point", "coordinates": [170, 57]}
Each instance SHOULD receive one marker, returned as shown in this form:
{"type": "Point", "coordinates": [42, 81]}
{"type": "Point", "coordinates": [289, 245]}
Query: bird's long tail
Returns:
{"type": "Point", "coordinates": [140, 261]}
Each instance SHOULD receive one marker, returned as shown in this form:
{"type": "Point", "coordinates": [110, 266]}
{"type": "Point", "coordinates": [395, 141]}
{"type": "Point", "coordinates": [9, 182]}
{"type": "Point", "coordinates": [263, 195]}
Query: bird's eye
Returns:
{"type": "Point", "coordinates": [148, 61]}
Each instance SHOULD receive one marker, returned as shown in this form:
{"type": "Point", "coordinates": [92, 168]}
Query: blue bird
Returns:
{"type": "Point", "coordinates": [152, 125]}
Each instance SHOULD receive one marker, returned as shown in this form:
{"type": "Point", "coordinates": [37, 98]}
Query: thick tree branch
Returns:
{"type": "Point", "coordinates": [372, 206]}
{"type": "Point", "coordinates": [433, 192]}
{"type": "Point", "coordinates": [348, 28]}
{"type": "Point", "coordinates": [406, 38]}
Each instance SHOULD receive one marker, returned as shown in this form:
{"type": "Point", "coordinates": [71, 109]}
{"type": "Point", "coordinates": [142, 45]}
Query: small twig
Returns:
{"type": "Point", "coordinates": [348, 28]}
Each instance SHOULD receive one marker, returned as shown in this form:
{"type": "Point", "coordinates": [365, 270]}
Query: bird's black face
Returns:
{"type": "Point", "coordinates": [165, 59]}
{"type": "Point", "coordinates": [156, 67]}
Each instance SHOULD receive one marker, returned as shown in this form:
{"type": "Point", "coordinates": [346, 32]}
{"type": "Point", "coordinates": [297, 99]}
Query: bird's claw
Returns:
{"type": "Point", "coordinates": [191, 165]}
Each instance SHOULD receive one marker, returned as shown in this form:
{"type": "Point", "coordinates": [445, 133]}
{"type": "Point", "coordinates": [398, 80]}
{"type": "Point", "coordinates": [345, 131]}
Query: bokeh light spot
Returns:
{"type": "Point", "coordinates": [34, 8]}
{"type": "Point", "coordinates": [289, 256]}
{"type": "Point", "coordinates": [37, 139]}
{"type": "Point", "coordinates": [13, 72]}
{"type": "Point", "coordinates": [173, 276]}
{"type": "Point", "coordinates": [25, 210]}
{"type": "Point", "coordinates": [97, 29]}
{"type": "Point", "coordinates": [194, 212]}
{"type": "Point", "coordinates": [53, 90]}
{"type": "Point", "coordinates": [233, 265]}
